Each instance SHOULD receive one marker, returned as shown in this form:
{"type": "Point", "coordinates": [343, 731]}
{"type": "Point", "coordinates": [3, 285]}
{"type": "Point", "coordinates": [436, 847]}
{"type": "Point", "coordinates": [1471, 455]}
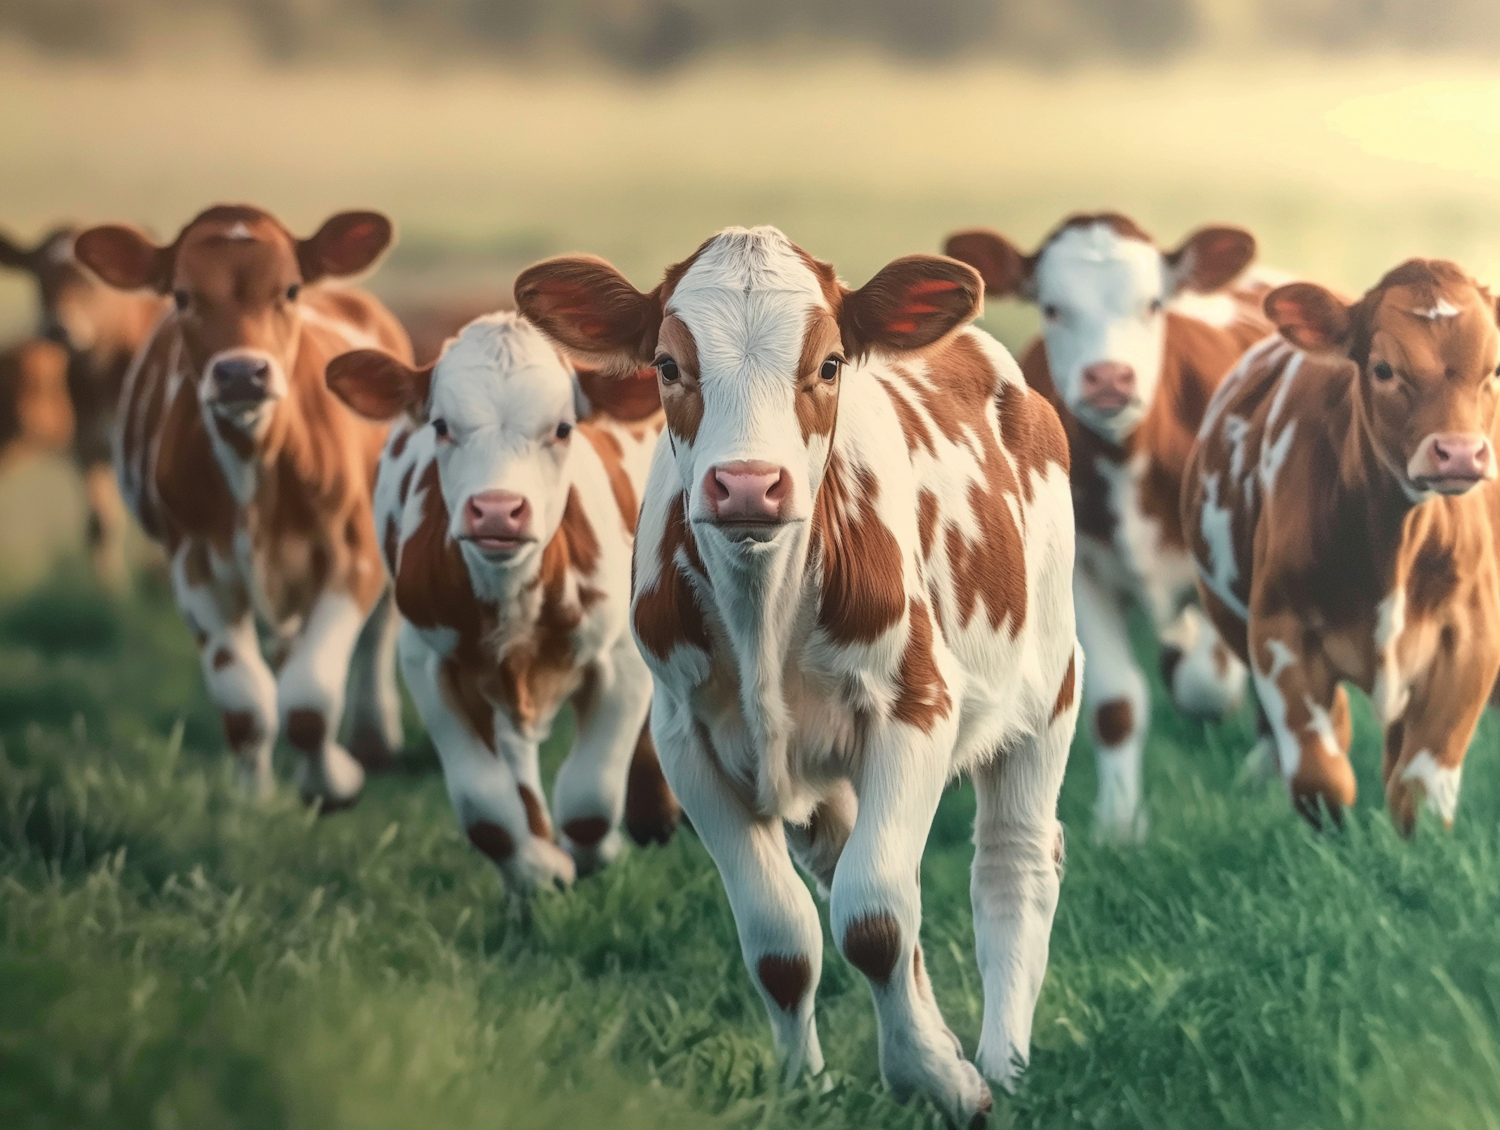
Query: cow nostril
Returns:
{"type": "Point", "coordinates": [721, 488]}
{"type": "Point", "coordinates": [778, 489]}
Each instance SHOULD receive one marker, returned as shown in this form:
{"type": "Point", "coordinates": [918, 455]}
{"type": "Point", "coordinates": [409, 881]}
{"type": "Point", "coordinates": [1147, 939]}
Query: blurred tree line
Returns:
{"type": "Point", "coordinates": [654, 35]}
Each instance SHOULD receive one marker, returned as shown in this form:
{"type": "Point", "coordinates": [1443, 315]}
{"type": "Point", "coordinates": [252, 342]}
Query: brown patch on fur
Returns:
{"type": "Point", "coordinates": [786, 979]}
{"type": "Point", "coordinates": [612, 455]}
{"type": "Point", "coordinates": [1032, 433]}
{"type": "Point", "coordinates": [1113, 721]}
{"type": "Point", "coordinates": [872, 944]}
{"type": "Point", "coordinates": [223, 657]}
{"type": "Point", "coordinates": [913, 427]}
{"type": "Point", "coordinates": [580, 546]}
{"type": "Point", "coordinates": [921, 694]}
{"type": "Point", "coordinates": [461, 688]}
{"type": "Point", "coordinates": [927, 516]}
{"type": "Point", "coordinates": [1065, 690]}
{"type": "Point", "coordinates": [536, 815]}
{"type": "Point", "coordinates": [863, 592]}
{"type": "Point", "coordinates": [651, 811]}
{"type": "Point", "coordinates": [240, 728]}
{"type": "Point", "coordinates": [681, 400]}
{"type": "Point", "coordinates": [306, 729]}
{"type": "Point", "coordinates": [817, 400]}
{"type": "Point", "coordinates": [667, 615]}
{"type": "Point", "coordinates": [492, 840]}
{"type": "Point", "coordinates": [586, 831]}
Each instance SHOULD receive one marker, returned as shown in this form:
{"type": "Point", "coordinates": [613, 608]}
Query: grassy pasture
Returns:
{"type": "Point", "coordinates": [172, 958]}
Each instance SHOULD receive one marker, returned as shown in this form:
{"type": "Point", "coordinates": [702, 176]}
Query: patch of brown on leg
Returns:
{"type": "Point", "coordinates": [239, 728]}
{"type": "Point", "coordinates": [651, 811]}
{"type": "Point", "coordinates": [1113, 721]}
{"type": "Point", "coordinates": [536, 815]}
{"type": "Point", "coordinates": [785, 978]}
{"type": "Point", "coordinates": [305, 729]}
{"type": "Point", "coordinates": [586, 831]}
{"type": "Point", "coordinates": [491, 839]}
{"type": "Point", "coordinates": [872, 944]}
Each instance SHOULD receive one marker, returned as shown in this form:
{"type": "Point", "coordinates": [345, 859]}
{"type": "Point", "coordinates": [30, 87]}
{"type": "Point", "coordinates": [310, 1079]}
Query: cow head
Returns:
{"type": "Point", "coordinates": [750, 338]}
{"type": "Point", "coordinates": [499, 403]}
{"type": "Point", "coordinates": [1426, 345]}
{"type": "Point", "coordinates": [77, 310]}
{"type": "Point", "coordinates": [1103, 287]}
{"type": "Point", "coordinates": [236, 276]}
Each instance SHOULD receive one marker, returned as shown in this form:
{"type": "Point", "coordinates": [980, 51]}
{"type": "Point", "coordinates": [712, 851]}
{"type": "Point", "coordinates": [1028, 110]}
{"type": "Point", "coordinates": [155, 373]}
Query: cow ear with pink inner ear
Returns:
{"type": "Point", "coordinates": [346, 244]}
{"type": "Point", "coordinates": [378, 386]}
{"type": "Point", "coordinates": [1005, 270]}
{"type": "Point", "coordinates": [124, 258]}
{"type": "Point", "coordinates": [586, 306]}
{"type": "Point", "coordinates": [1211, 258]}
{"type": "Point", "coordinates": [1310, 317]}
{"type": "Point", "coordinates": [911, 303]}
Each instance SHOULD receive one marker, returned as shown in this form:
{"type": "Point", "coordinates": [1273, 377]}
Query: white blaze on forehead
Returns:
{"type": "Point", "coordinates": [501, 372]}
{"type": "Point", "coordinates": [1442, 309]}
{"type": "Point", "coordinates": [239, 230]}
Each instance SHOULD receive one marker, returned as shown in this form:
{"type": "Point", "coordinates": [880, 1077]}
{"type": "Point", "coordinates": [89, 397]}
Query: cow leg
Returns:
{"type": "Point", "coordinates": [1425, 747]}
{"type": "Point", "coordinates": [818, 845]}
{"type": "Point", "coordinates": [106, 533]}
{"type": "Point", "coordinates": [1308, 712]}
{"type": "Point", "coordinates": [588, 797]}
{"type": "Point", "coordinates": [651, 811]}
{"type": "Point", "coordinates": [1118, 707]}
{"type": "Point", "coordinates": [486, 797]}
{"type": "Point", "coordinates": [1205, 678]}
{"type": "Point", "coordinates": [239, 682]}
{"type": "Point", "coordinates": [780, 937]}
{"type": "Point", "coordinates": [310, 694]}
{"type": "Point", "coordinates": [1018, 856]}
{"type": "Point", "coordinates": [875, 913]}
{"type": "Point", "coordinates": [375, 737]}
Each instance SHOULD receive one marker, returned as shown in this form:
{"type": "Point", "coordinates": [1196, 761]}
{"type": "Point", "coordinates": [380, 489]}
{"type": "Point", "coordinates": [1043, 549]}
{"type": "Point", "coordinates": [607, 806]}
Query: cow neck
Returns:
{"type": "Point", "coordinates": [1368, 482]}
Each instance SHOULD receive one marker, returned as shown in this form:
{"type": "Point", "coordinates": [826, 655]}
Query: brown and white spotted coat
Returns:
{"type": "Point", "coordinates": [100, 328]}
{"type": "Point", "coordinates": [1344, 517]}
{"type": "Point", "coordinates": [1134, 342]}
{"type": "Point", "coordinates": [507, 523]}
{"type": "Point", "coordinates": [851, 584]}
{"type": "Point", "coordinates": [234, 455]}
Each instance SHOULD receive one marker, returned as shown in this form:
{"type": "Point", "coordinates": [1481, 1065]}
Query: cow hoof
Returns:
{"type": "Point", "coordinates": [541, 865]}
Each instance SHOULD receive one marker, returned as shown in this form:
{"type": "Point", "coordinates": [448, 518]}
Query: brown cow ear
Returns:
{"type": "Point", "coordinates": [378, 386]}
{"type": "Point", "coordinates": [591, 310]}
{"type": "Point", "coordinates": [1310, 317]}
{"type": "Point", "coordinates": [1210, 258]}
{"type": "Point", "coordinates": [346, 244]}
{"type": "Point", "coordinates": [124, 258]}
{"type": "Point", "coordinates": [911, 303]}
{"type": "Point", "coordinates": [1005, 270]}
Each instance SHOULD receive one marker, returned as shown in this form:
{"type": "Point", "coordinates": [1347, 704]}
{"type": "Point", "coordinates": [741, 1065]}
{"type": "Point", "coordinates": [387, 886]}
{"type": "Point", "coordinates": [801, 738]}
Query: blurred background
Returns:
{"type": "Point", "coordinates": [1346, 133]}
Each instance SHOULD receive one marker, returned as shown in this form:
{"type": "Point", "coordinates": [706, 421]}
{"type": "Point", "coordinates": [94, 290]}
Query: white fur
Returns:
{"type": "Point", "coordinates": [1440, 784]}
{"type": "Point", "coordinates": [1391, 692]}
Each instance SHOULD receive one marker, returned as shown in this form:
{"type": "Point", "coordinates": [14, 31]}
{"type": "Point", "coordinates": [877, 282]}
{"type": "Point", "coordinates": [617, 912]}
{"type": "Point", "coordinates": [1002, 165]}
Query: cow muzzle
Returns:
{"type": "Point", "coordinates": [1108, 387]}
{"type": "Point", "coordinates": [747, 495]}
{"type": "Point", "coordinates": [1452, 462]}
{"type": "Point", "coordinates": [498, 523]}
{"type": "Point", "coordinates": [242, 381]}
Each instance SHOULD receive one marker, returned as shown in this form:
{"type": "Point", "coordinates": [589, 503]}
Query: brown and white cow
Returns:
{"type": "Point", "coordinates": [101, 328]}
{"type": "Point", "coordinates": [852, 585]}
{"type": "Point", "coordinates": [1134, 341]}
{"type": "Point", "coordinates": [1345, 516]}
{"type": "Point", "coordinates": [234, 455]}
{"type": "Point", "coordinates": [507, 524]}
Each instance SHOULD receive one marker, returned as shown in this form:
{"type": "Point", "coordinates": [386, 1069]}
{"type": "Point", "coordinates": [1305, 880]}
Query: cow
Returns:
{"type": "Point", "coordinates": [36, 414]}
{"type": "Point", "coordinates": [1134, 341]}
{"type": "Point", "coordinates": [507, 524]}
{"type": "Point", "coordinates": [1344, 518]}
{"type": "Point", "coordinates": [851, 585]}
{"type": "Point", "coordinates": [257, 481]}
{"type": "Point", "coordinates": [101, 328]}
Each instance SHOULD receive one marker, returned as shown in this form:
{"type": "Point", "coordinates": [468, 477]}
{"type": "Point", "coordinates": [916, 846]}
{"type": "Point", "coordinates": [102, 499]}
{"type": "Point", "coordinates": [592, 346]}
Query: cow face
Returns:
{"type": "Point", "coordinates": [500, 406]}
{"type": "Point", "coordinates": [236, 276]}
{"type": "Point", "coordinates": [750, 339]}
{"type": "Point", "coordinates": [76, 309]}
{"type": "Point", "coordinates": [1103, 287]}
{"type": "Point", "coordinates": [1426, 345]}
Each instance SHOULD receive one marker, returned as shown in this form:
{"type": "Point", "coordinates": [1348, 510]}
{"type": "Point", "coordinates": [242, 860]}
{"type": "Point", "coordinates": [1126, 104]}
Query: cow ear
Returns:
{"type": "Point", "coordinates": [1210, 258]}
{"type": "Point", "coordinates": [1005, 270]}
{"type": "Point", "coordinates": [911, 303]}
{"type": "Point", "coordinates": [379, 386]}
{"type": "Point", "coordinates": [346, 244]}
{"type": "Point", "coordinates": [591, 310]}
{"type": "Point", "coordinates": [13, 254]}
{"type": "Point", "coordinates": [1311, 318]}
{"type": "Point", "coordinates": [124, 258]}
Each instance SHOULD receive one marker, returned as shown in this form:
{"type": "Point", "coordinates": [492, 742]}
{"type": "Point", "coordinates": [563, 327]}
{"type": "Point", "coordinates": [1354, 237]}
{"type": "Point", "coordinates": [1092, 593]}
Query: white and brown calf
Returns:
{"type": "Point", "coordinates": [1345, 515]}
{"type": "Point", "coordinates": [234, 455]}
{"type": "Point", "coordinates": [852, 585]}
{"type": "Point", "coordinates": [507, 524]}
{"type": "Point", "coordinates": [1134, 341]}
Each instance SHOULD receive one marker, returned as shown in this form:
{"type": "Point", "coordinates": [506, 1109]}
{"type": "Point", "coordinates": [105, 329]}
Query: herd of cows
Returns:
{"type": "Point", "coordinates": [794, 554]}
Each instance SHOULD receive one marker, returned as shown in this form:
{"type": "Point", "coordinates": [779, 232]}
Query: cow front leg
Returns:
{"type": "Point", "coordinates": [310, 695]}
{"type": "Point", "coordinates": [1118, 708]}
{"type": "Point", "coordinates": [780, 937]}
{"type": "Point", "coordinates": [1206, 679]}
{"type": "Point", "coordinates": [588, 797]}
{"type": "Point", "coordinates": [375, 736]}
{"type": "Point", "coordinates": [1308, 712]}
{"type": "Point", "coordinates": [875, 913]}
{"type": "Point", "coordinates": [498, 818]}
{"type": "Point", "coordinates": [239, 682]}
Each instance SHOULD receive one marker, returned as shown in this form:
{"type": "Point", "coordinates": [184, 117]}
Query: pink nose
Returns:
{"type": "Point", "coordinates": [497, 515]}
{"type": "Point", "coordinates": [1460, 455]}
{"type": "Point", "coordinates": [1108, 385]}
{"type": "Point", "coordinates": [747, 491]}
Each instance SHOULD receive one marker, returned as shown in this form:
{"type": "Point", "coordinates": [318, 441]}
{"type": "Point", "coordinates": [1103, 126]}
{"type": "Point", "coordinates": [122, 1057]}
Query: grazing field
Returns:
{"type": "Point", "coordinates": [172, 957]}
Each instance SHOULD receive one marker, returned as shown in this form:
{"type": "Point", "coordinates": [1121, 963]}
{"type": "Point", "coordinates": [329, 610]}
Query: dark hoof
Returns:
{"type": "Point", "coordinates": [982, 1115]}
{"type": "Point", "coordinates": [653, 831]}
{"type": "Point", "coordinates": [328, 806]}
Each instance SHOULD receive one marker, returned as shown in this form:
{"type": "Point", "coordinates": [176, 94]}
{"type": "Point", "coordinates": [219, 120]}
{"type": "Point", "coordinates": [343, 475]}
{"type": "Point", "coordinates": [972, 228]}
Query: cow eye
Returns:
{"type": "Point", "coordinates": [440, 428]}
{"type": "Point", "coordinates": [1156, 306]}
{"type": "Point", "coordinates": [1382, 371]}
{"type": "Point", "coordinates": [181, 298]}
{"type": "Point", "coordinates": [830, 370]}
{"type": "Point", "coordinates": [292, 292]}
{"type": "Point", "coordinates": [1051, 313]}
{"type": "Point", "coordinates": [564, 430]}
{"type": "Point", "coordinates": [667, 369]}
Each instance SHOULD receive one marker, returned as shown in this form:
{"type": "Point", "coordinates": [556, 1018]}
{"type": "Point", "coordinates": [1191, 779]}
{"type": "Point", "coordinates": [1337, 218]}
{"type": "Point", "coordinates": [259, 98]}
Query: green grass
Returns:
{"type": "Point", "coordinates": [171, 957]}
